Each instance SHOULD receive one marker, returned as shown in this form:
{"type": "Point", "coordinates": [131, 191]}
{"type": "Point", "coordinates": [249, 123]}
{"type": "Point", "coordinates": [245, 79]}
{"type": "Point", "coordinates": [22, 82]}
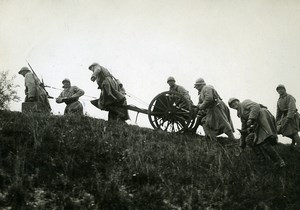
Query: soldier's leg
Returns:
{"type": "Point", "coordinates": [273, 154]}
{"type": "Point", "coordinates": [295, 139]}
{"type": "Point", "coordinates": [292, 146]}
{"type": "Point", "coordinates": [230, 135]}
{"type": "Point", "coordinates": [209, 133]}
{"type": "Point", "coordinates": [259, 154]}
{"type": "Point", "coordinates": [112, 116]}
{"type": "Point", "coordinates": [66, 111]}
{"type": "Point", "coordinates": [75, 108]}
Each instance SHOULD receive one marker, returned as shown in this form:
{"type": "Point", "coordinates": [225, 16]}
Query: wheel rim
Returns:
{"type": "Point", "coordinates": [171, 112]}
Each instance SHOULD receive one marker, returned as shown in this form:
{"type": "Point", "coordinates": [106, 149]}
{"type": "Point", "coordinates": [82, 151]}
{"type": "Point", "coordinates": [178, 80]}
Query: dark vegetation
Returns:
{"type": "Point", "coordinates": [8, 91]}
{"type": "Point", "coordinates": [56, 162]}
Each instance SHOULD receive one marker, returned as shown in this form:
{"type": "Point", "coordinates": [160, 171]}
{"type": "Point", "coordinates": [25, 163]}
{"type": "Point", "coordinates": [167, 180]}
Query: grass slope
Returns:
{"type": "Point", "coordinates": [57, 162]}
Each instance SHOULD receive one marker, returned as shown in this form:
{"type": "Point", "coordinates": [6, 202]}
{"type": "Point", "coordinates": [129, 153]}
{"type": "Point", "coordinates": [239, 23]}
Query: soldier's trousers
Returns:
{"type": "Point", "coordinates": [266, 148]}
{"type": "Point", "coordinates": [213, 134]}
{"type": "Point", "coordinates": [295, 139]}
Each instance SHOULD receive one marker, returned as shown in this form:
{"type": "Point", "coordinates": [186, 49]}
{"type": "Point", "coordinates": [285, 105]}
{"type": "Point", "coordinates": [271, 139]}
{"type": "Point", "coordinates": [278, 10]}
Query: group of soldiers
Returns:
{"type": "Point", "coordinates": [111, 99]}
{"type": "Point", "coordinates": [259, 127]}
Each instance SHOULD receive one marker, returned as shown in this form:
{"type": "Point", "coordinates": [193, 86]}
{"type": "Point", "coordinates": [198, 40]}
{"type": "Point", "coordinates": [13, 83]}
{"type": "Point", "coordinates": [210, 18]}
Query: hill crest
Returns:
{"type": "Point", "coordinates": [60, 162]}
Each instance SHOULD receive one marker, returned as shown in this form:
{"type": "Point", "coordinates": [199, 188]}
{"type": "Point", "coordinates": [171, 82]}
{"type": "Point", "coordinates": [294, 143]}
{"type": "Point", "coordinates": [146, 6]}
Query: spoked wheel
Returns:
{"type": "Point", "coordinates": [170, 111]}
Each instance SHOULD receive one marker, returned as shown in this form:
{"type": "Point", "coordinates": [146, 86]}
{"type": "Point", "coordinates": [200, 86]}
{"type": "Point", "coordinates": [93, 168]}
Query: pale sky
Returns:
{"type": "Point", "coordinates": [243, 48]}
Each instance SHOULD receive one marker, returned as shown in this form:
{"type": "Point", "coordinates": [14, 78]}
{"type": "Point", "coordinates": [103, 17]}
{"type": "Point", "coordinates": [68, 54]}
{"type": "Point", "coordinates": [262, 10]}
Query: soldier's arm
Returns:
{"type": "Point", "coordinates": [278, 114]}
{"type": "Point", "coordinates": [77, 92]}
{"type": "Point", "coordinates": [291, 107]}
{"type": "Point", "coordinates": [244, 124]}
{"type": "Point", "coordinates": [95, 74]}
{"type": "Point", "coordinates": [30, 85]}
{"type": "Point", "coordinates": [59, 99]}
{"type": "Point", "coordinates": [254, 109]}
{"type": "Point", "coordinates": [184, 92]}
{"type": "Point", "coordinates": [107, 93]}
{"type": "Point", "coordinates": [208, 98]}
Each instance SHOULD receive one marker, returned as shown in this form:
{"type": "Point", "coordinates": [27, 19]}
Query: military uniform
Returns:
{"type": "Point", "coordinates": [287, 117]}
{"type": "Point", "coordinates": [262, 127]}
{"type": "Point", "coordinates": [112, 96]}
{"type": "Point", "coordinates": [34, 91]}
{"type": "Point", "coordinates": [217, 119]}
{"type": "Point", "coordinates": [182, 91]}
{"type": "Point", "coordinates": [70, 97]}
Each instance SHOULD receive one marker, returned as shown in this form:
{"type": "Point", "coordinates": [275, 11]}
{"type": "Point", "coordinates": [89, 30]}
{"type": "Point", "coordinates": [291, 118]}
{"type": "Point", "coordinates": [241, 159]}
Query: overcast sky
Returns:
{"type": "Point", "coordinates": [243, 48]}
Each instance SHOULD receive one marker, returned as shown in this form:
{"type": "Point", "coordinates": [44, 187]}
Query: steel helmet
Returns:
{"type": "Point", "coordinates": [23, 69]}
{"type": "Point", "coordinates": [66, 80]}
{"type": "Point", "coordinates": [200, 81]}
{"type": "Point", "coordinates": [232, 100]}
{"type": "Point", "coordinates": [171, 79]}
{"type": "Point", "coordinates": [280, 86]}
{"type": "Point", "coordinates": [92, 65]}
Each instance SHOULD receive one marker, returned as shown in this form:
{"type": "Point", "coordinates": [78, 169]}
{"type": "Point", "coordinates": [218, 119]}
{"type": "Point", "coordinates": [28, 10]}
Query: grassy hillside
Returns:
{"type": "Point", "coordinates": [61, 162]}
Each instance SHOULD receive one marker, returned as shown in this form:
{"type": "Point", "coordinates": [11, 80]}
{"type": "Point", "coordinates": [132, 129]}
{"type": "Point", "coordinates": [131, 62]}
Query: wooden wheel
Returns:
{"type": "Point", "coordinates": [170, 111]}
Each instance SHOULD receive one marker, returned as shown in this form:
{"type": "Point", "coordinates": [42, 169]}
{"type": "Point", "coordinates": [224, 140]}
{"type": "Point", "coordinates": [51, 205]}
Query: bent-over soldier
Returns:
{"type": "Point", "coordinates": [34, 91]}
{"type": "Point", "coordinates": [70, 96]}
{"type": "Point", "coordinates": [287, 116]}
{"type": "Point", "coordinates": [213, 111]}
{"type": "Point", "coordinates": [112, 97]}
{"type": "Point", "coordinates": [258, 129]}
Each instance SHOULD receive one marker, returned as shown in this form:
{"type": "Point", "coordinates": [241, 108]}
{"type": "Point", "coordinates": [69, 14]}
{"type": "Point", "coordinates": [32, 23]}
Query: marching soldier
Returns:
{"type": "Point", "coordinates": [215, 115]}
{"type": "Point", "coordinates": [258, 129]}
{"type": "Point", "coordinates": [70, 96]}
{"type": "Point", "coordinates": [287, 116]}
{"type": "Point", "coordinates": [112, 96]}
{"type": "Point", "coordinates": [34, 91]}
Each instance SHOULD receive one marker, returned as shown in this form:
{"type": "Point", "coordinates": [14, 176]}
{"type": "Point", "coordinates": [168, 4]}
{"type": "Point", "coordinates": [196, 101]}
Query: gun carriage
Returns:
{"type": "Point", "coordinates": [169, 111]}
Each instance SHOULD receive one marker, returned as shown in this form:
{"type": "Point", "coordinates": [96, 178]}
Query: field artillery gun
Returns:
{"type": "Point", "coordinates": [170, 111]}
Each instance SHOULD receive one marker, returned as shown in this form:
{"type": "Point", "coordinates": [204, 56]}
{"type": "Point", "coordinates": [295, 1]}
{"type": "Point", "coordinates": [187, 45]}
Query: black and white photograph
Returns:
{"type": "Point", "coordinates": [149, 105]}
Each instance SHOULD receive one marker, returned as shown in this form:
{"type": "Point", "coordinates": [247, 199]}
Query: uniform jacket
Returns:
{"type": "Point", "coordinates": [182, 91]}
{"type": "Point", "coordinates": [111, 90]}
{"type": "Point", "coordinates": [72, 95]}
{"type": "Point", "coordinates": [33, 89]}
{"type": "Point", "coordinates": [112, 93]}
{"type": "Point", "coordinates": [265, 122]}
{"type": "Point", "coordinates": [286, 108]}
{"type": "Point", "coordinates": [218, 115]}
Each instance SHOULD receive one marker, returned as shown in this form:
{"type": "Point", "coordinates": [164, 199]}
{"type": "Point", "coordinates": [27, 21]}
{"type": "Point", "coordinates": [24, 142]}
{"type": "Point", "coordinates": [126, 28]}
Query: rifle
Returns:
{"type": "Point", "coordinates": [39, 81]}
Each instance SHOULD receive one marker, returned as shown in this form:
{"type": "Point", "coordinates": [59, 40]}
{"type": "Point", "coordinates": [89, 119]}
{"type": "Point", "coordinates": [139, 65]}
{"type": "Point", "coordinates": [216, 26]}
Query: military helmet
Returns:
{"type": "Point", "coordinates": [231, 100]}
{"type": "Point", "coordinates": [23, 69]}
{"type": "Point", "coordinates": [171, 79]}
{"type": "Point", "coordinates": [66, 80]}
{"type": "Point", "coordinates": [92, 65]}
{"type": "Point", "coordinates": [200, 81]}
{"type": "Point", "coordinates": [280, 86]}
